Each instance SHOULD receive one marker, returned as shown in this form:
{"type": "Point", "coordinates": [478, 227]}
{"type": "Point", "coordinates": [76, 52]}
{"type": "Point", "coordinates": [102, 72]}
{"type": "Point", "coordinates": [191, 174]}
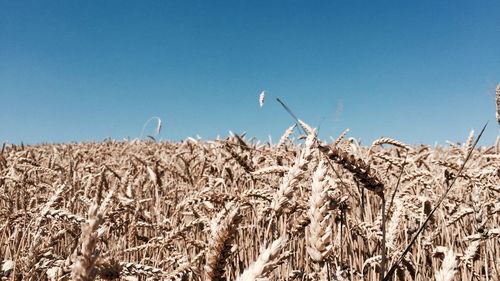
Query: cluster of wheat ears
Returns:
{"type": "Point", "coordinates": [235, 209]}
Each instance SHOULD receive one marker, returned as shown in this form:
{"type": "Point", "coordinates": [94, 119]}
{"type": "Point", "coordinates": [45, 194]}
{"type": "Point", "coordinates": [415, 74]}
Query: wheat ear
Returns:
{"type": "Point", "coordinates": [264, 263]}
{"type": "Point", "coordinates": [223, 233]}
{"type": "Point", "coordinates": [286, 135]}
{"type": "Point", "coordinates": [448, 268]}
{"type": "Point", "coordinates": [291, 179]}
{"type": "Point", "coordinates": [320, 229]}
{"type": "Point", "coordinates": [358, 167]}
{"type": "Point", "coordinates": [84, 269]}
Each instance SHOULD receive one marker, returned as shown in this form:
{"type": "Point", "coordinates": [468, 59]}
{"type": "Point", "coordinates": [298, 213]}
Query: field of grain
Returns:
{"type": "Point", "coordinates": [236, 209]}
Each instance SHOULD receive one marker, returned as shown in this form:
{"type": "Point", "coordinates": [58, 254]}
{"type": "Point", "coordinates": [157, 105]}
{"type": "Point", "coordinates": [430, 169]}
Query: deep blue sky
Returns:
{"type": "Point", "coordinates": [423, 71]}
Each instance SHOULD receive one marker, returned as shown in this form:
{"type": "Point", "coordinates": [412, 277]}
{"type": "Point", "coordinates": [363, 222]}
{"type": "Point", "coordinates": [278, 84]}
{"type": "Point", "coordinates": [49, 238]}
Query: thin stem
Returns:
{"type": "Point", "coordinates": [397, 185]}
{"type": "Point", "coordinates": [384, 258]}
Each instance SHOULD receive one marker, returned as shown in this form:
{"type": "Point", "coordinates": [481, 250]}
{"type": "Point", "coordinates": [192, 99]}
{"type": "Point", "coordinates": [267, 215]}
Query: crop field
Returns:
{"type": "Point", "coordinates": [237, 209]}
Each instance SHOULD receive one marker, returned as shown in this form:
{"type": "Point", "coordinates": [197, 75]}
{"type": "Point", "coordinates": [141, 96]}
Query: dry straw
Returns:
{"type": "Point", "coordinates": [239, 209]}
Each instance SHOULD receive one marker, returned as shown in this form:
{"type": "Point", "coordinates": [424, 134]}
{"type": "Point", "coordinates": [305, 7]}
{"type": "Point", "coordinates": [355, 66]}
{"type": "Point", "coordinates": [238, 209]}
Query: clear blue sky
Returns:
{"type": "Point", "coordinates": [417, 71]}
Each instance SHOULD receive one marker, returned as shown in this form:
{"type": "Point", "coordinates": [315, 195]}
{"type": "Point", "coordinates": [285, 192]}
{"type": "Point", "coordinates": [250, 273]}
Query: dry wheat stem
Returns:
{"type": "Point", "coordinates": [170, 210]}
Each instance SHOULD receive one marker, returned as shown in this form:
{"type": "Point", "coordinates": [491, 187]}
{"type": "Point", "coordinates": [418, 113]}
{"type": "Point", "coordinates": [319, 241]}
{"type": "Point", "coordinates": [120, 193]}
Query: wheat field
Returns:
{"type": "Point", "coordinates": [237, 209]}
